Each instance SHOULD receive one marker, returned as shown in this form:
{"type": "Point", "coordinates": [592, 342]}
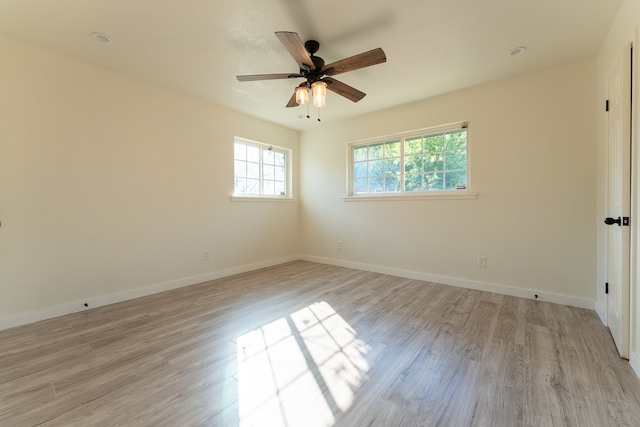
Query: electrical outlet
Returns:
{"type": "Point", "coordinates": [339, 244]}
{"type": "Point", "coordinates": [206, 255]}
{"type": "Point", "coordinates": [482, 261]}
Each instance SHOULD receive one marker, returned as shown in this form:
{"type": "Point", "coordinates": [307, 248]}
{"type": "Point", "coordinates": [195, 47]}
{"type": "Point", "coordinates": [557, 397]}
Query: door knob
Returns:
{"type": "Point", "coordinates": [610, 221]}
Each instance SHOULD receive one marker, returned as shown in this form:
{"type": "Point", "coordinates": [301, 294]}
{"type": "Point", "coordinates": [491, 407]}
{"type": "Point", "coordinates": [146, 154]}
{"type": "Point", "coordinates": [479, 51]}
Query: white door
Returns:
{"type": "Point", "coordinates": [619, 200]}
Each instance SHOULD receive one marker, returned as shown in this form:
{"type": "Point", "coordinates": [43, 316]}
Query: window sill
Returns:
{"type": "Point", "coordinates": [436, 195]}
{"type": "Point", "coordinates": [262, 199]}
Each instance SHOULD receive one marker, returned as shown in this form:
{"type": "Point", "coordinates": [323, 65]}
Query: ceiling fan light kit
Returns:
{"type": "Point", "coordinates": [319, 90]}
{"type": "Point", "coordinates": [317, 74]}
{"type": "Point", "coordinates": [303, 94]}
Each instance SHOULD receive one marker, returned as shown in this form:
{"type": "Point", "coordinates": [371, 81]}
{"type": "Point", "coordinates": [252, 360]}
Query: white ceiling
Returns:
{"type": "Point", "coordinates": [198, 46]}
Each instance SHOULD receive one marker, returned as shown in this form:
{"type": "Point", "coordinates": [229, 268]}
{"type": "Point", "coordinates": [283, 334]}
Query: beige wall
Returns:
{"type": "Point", "coordinates": [623, 31]}
{"type": "Point", "coordinates": [532, 150]}
{"type": "Point", "coordinates": [111, 188]}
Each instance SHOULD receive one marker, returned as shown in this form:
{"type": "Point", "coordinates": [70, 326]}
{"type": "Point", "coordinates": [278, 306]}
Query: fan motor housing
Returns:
{"type": "Point", "coordinates": [317, 62]}
{"type": "Point", "coordinates": [311, 46]}
{"type": "Point", "coordinates": [315, 74]}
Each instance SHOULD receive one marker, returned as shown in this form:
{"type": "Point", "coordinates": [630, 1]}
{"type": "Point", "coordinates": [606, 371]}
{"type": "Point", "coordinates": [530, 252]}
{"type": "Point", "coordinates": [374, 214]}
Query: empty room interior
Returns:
{"type": "Point", "coordinates": [298, 213]}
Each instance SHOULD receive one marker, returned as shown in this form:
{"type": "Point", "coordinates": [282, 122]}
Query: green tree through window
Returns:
{"type": "Point", "coordinates": [428, 162]}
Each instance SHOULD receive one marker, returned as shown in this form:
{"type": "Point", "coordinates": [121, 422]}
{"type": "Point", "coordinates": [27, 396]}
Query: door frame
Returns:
{"type": "Point", "coordinates": [627, 329]}
{"type": "Point", "coordinates": [634, 291]}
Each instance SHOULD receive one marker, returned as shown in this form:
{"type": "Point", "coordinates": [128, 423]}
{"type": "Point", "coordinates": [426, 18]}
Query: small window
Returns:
{"type": "Point", "coordinates": [260, 170]}
{"type": "Point", "coordinates": [427, 161]}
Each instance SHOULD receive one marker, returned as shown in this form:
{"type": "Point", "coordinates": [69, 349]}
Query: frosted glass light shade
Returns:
{"type": "Point", "coordinates": [302, 95]}
{"type": "Point", "coordinates": [319, 90]}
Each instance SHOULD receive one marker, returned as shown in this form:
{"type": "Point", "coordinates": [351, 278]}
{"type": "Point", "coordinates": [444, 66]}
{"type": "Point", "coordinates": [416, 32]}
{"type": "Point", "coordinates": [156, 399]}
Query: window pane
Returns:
{"type": "Point", "coordinates": [240, 168]}
{"type": "Point", "coordinates": [376, 185]}
{"type": "Point", "coordinates": [360, 185]}
{"type": "Point", "coordinates": [413, 145]}
{"type": "Point", "coordinates": [453, 179]}
{"type": "Point", "coordinates": [456, 140]}
{"type": "Point", "coordinates": [252, 186]}
{"type": "Point", "coordinates": [240, 186]}
{"type": "Point", "coordinates": [429, 162]}
{"type": "Point", "coordinates": [456, 159]}
{"type": "Point", "coordinates": [375, 151]}
{"type": "Point", "coordinates": [376, 167]}
{"type": "Point", "coordinates": [268, 172]}
{"type": "Point", "coordinates": [253, 170]}
{"type": "Point", "coordinates": [268, 188]}
{"type": "Point", "coordinates": [413, 164]}
{"type": "Point", "coordinates": [413, 182]}
{"type": "Point", "coordinates": [360, 154]}
{"type": "Point", "coordinates": [392, 149]}
{"type": "Point", "coordinates": [433, 181]}
{"type": "Point", "coordinates": [253, 154]}
{"type": "Point", "coordinates": [259, 169]}
{"type": "Point", "coordinates": [240, 151]}
{"type": "Point", "coordinates": [392, 183]}
{"type": "Point", "coordinates": [392, 166]}
{"type": "Point", "coordinates": [360, 169]}
{"type": "Point", "coordinates": [433, 162]}
{"type": "Point", "coordinates": [434, 143]}
{"type": "Point", "coordinates": [267, 157]}
{"type": "Point", "coordinates": [279, 173]}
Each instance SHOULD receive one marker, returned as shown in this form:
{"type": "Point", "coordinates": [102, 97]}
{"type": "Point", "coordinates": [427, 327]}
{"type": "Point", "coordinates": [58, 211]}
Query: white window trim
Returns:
{"type": "Point", "coordinates": [279, 199]}
{"type": "Point", "coordinates": [422, 195]}
{"type": "Point", "coordinates": [288, 197]}
{"type": "Point", "coordinates": [465, 194]}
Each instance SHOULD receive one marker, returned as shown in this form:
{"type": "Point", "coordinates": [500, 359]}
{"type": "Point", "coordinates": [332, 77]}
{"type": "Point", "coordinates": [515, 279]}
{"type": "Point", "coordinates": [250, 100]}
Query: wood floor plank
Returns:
{"type": "Point", "coordinates": [310, 344]}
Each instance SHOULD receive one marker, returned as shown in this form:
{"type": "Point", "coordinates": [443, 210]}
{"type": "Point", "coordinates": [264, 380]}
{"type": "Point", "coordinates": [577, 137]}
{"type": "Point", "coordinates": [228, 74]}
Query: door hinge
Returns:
{"type": "Point", "coordinates": [606, 105]}
{"type": "Point", "coordinates": [606, 288]}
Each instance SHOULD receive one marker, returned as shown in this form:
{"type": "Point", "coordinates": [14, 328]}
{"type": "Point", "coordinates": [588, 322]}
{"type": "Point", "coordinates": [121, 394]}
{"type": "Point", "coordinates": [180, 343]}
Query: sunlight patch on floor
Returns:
{"type": "Point", "coordinates": [301, 369]}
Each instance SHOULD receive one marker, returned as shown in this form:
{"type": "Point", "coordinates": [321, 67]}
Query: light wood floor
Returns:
{"type": "Point", "coordinates": [305, 344]}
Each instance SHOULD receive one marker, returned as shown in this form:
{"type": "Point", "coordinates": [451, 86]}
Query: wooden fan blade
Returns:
{"type": "Point", "coordinates": [296, 48]}
{"type": "Point", "coordinates": [343, 89]}
{"type": "Point", "coordinates": [362, 60]}
{"type": "Point", "coordinates": [255, 77]}
{"type": "Point", "coordinates": [292, 101]}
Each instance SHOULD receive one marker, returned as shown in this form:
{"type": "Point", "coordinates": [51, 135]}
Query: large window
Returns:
{"type": "Point", "coordinates": [427, 161]}
{"type": "Point", "coordinates": [260, 170]}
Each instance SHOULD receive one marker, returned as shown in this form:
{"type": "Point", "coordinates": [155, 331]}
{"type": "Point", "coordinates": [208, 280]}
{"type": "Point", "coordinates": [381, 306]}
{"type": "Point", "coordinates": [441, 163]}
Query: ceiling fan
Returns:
{"type": "Point", "coordinates": [317, 74]}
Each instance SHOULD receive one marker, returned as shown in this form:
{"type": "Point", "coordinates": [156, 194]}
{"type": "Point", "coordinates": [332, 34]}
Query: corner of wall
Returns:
{"type": "Point", "coordinates": [601, 312]}
{"type": "Point", "coordinates": [462, 283]}
{"type": "Point", "coordinates": [634, 361]}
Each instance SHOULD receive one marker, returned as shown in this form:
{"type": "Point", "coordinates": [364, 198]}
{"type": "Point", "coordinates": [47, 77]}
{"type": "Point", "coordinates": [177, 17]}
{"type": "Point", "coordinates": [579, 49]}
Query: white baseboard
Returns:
{"type": "Point", "coordinates": [634, 361]}
{"type": "Point", "coordinates": [601, 312]}
{"type": "Point", "coordinates": [463, 283]}
{"type": "Point", "coordinates": [102, 300]}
